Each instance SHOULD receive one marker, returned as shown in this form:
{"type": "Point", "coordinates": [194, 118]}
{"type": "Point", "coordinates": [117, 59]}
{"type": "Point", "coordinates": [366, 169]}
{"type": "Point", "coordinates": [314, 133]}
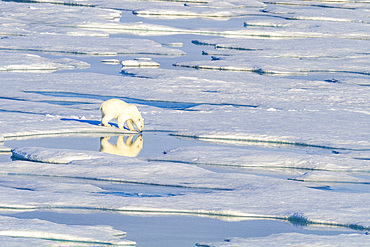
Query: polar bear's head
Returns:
{"type": "Point", "coordinates": [139, 122]}
{"type": "Point", "coordinates": [136, 117]}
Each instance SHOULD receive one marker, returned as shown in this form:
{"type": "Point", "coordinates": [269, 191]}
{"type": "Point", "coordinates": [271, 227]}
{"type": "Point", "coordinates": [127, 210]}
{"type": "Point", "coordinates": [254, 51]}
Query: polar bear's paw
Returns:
{"type": "Point", "coordinates": [105, 125]}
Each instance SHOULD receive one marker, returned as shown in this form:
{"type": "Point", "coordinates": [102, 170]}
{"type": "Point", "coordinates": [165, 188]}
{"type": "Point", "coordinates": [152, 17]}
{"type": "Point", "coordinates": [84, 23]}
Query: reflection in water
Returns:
{"type": "Point", "coordinates": [128, 148]}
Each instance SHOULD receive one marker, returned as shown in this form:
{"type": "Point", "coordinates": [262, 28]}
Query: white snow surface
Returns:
{"type": "Point", "coordinates": [232, 195]}
{"type": "Point", "coordinates": [313, 113]}
{"type": "Point", "coordinates": [14, 231]}
{"type": "Point", "coordinates": [49, 156]}
{"type": "Point", "coordinates": [82, 45]}
{"type": "Point", "coordinates": [140, 62]}
{"type": "Point", "coordinates": [33, 63]}
{"type": "Point", "coordinates": [281, 95]}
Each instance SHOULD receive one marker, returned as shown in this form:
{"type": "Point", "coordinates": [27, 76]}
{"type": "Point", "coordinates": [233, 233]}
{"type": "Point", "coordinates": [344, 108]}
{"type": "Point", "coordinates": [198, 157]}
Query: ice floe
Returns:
{"type": "Point", "coordinates": [270, 156]}
{"type": "Point", "coordinates": [326, 177]}
{"type": "Point", "coordinates": [70, 157]}
{"type": "Point", "coordinates": [319, 113]}
{"type": "Point", "coordinates": [105, 20]}
{"type": "Point", "coordinates": [140, 62]}
{"type": "Point", "coordinates": [234, 196]}
{"type": "Point", "coordinates": [49, 156]}
{"type": "Point", "coordinates": [16, 232]}
{"type": "Point", "coordinates": [93, 46]}
{"type": "Point", "coordinates": [308, 57]}
{"type": "Point", "coordinates": [229, 10]}
{"type": "Point", "coordinates": [16, 62]}
{"type": "Point", "coordinates": [144, 29]}
{"type": "Point", "coordinates": [17, 19]}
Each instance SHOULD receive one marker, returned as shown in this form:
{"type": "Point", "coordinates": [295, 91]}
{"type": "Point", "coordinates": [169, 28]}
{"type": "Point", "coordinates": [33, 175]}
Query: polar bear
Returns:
{"type": "Point", "coordinates": [123, 112]}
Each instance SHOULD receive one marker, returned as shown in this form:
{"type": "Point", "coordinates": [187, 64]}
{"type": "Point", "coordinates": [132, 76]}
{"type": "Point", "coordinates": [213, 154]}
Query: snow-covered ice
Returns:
{"type": "Point", "coordinates": [16, 62]}
{"type": "Point", "coordinates": [18, 232]}
{"type": "Point", "coordinates": [82, 45]}
{"type": "Point", "coordinates": [140, 62]}
{"type": "Point", "coordinates": [233, 195]}
{"type": "Point", "coordinates": [275, 102]}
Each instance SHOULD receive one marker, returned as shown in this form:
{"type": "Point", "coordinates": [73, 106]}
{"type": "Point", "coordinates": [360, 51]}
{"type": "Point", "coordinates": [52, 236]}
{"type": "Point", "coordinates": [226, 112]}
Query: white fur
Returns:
{"type": "Point", "coordinates": [123, 112]}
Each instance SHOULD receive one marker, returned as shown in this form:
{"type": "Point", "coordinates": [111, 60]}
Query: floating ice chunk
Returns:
{"type": "Point", "coordinates": [328, 11]}
{"type": "Point", "coordinates": [50, 155]}
{"type": "Point", "coordinates": [19, 19]}
{"type": "Point", "coordinates": [175, 44]}
{"type": "Point", "coordinates": [269, 57]}
{"type": "Point", "coordinates": [294, 239]}
{"type": "Point", "coordinates": [47, 13]}
{"type": "Point", "coordinates": [303, 48]}
{"type": "Point", "coordinates": [185, 13]}
{"type": "Point", "coordinates": [33, 229]}
{"type": "Point", "coordinates": [216, 10]}
{"type": "Point", "coordinates": [210, 5]}
{"type": "Point", "coordinates": [101, 19]}
{"type": "Point", "coordinates": [268, 23]}
{"type": "Point", "coordinates": [295, 159]}
{"type": "Point", "coordinates": [111, 61]}
{"type": "Point", "coordinates": [219, 4]}
{"type": "Point", "coordinates": [137, 28]}
{"type": "Point", "coordinates": [271, 109]}
{"type": "Point", "coordinates": [95, 46]}
{"type": "Point", "coordinates": [232, 195]}
{"type": "Point", "coordinates": [140, 62]}
{"type": "Point", "coordinates": [328, 177]}
{"type": "Point", "coordinates": [144, 29]}
{"type": "Point", "coordinates": [46, 185]}
{"type": "Point", "coordinates": [19, 62]}
{"type": "Point", "coordinates": [101, 166]}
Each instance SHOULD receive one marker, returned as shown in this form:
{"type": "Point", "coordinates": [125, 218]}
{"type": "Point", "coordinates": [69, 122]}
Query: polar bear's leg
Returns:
{"type": "Point", "coordinates": [121, 120]}
{"type": "Point", "coordinates": [105, 119]}
{"type": "Point", "coordinates": [130, 124]}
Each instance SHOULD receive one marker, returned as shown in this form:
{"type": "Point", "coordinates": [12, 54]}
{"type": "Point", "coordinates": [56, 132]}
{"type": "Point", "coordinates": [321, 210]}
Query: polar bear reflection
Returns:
{"type": "Point", "coordinates": [127, 148]}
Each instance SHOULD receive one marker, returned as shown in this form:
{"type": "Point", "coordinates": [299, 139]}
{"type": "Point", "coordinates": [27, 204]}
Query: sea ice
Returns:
{"type": "Point", "coordinates": [49, 156]}
{"type": "Point", "coordinates": [140, 62]}
{"type": "Point", "coordinates": [275, 58]}
{"type": "Point", "coordinates": [19, 19]}
{"type": "Point", "coordinates": [18, 62]}
{"type": "Point", "coordinates": [318, 112]}
{"type": "Point", "coordinates": [46, 233]}
{"type": "Point", "coordinates": [285, 95]}
{"type": "Point", "coordinates": [269, 156]}
{"type": "Point", "coordinates": [233, 195]}
{"type": "Point", "coordinates": [179, 11]}
{"type": "Point", "coordinates": [81, 45]}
